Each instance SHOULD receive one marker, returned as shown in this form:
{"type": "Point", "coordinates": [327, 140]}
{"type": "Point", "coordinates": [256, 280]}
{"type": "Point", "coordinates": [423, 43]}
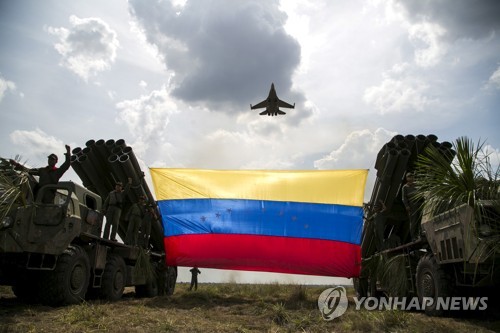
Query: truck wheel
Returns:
{"type": "Point", "coordinates": [360, 286]}
{"type": "Point", "coordinates": [68, 283]}
{"type": "Point", "coordinates": [167, 277]}
{"type": "Point", "coordinates": [114, 278]}
{"type": "Point", "coordinates": [150, 289]}
{"type": "Point", "coordinates": [171, 280]}
{"type": "Point", "coordinates": [432, 283]}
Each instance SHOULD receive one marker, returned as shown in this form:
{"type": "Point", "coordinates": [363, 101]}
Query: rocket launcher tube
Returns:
{"type": "Point", "coordinates": [75, 164]}
{"type": "Point", "coordinates": [93, 176]}
{"type": "Point", "coordinates": [397, 178]}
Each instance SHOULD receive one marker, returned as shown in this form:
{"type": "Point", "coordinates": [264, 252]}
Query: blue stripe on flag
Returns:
{"type": "Point", "coordinates": [262, 217]}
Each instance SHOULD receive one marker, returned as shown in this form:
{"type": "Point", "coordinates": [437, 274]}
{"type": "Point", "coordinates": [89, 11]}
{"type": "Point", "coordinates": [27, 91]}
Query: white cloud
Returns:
{"type": "Point", "coordinates": [221, 146]}
{"type": "Point", "coordinates": [393, 11]}
{"type": "Point", "coordinates": [111, 94]}
{"type": "Point", "coordinates": [37, 143]}
{"type": "Point", "coordinates": [88, 47]}
{"type": "Point", "coordinates": [495, 79]}
{"type": "Point", "coordinates": [148, 116]}
{"type": "Point", "coordinates": [298, 25]}
{"type": "Point", "coordinates": [460, 18]}
{"type": "Point", "coordinates": [222, 52]}
{"type": "Point", "coordinates": [359, 150]}
{"type": "Point", "coordinates": [6, 86]}
{"type": "Point", "coordinates": [429, 46]}
{"type": "Point", "coordinates": [397, 95]}
{"type": "Point", "coordinates": [427, 34]}
{"type": "Point", "coordinates": [493, 155]}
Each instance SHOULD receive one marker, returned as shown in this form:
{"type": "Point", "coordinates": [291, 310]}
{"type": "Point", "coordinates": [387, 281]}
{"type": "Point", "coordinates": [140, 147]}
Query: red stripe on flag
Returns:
{"type": "Point", "coordinates": [264, 253]}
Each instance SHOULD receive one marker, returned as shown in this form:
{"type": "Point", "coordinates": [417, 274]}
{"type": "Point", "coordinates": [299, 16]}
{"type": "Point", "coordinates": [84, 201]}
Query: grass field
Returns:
{"type": "Point", "coordinates": [227, 308]}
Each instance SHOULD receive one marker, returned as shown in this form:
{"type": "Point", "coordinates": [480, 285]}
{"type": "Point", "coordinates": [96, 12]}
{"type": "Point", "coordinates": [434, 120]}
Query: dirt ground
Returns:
{"type": "Point", "coordinates": [226, 308]}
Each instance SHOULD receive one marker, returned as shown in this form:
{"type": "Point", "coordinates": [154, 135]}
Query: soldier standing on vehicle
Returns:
{"type": "Point", "coordinates": [147, 221]}
{"type": "Point", "coordinates": [136, 215]}
{"type": "Point", "coordinates": [112, 208]}
{"type": "Point", "coordinates": [194, 278]}
{"type": "Point", "coordinates": [411, 204]}
{"type": "Point", "coordinates": [48, 175]}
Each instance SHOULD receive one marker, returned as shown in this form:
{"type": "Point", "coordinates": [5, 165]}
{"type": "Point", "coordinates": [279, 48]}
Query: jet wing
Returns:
{"type": "Point", "coordinates": [260, 105]}
{"type": "Point", "coordinates": [283, 104]}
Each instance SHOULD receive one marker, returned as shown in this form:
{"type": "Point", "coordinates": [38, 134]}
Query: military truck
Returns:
{"type": "Point", "coordinates": [55, 254]}
{"type": "Point", "coordinates": [455, 252]}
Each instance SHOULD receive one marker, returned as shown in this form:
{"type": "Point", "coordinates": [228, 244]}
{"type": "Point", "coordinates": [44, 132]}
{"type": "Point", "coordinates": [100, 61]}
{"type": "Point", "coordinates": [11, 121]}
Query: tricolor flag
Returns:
{"type": "Point", "coordinates": [302, 222]}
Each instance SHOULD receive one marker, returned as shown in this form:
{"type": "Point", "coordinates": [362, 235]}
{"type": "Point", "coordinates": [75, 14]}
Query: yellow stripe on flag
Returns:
{"type": "Point", "coordinates": [342, 187]}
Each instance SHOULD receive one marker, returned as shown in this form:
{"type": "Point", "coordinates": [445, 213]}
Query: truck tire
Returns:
{"type": "Point", "coordinates": [171, 279]}
{"type": "Point", "coordinates": [114, 278]}
{"type": "Point", "coordinates": [150, 289]}
{"type": "Point", "coordinates": [167, 277]}
{"type": "Point", "coordinates": [68, 282]}
{"type": "Point", "coordinates": [432, 282]}
{"type": "Point", "coordinates": [360, 286]}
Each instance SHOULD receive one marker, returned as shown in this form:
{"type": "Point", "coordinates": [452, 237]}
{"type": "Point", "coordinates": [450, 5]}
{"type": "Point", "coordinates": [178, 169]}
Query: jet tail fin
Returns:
{"type": "Point", "coordinates": [281, 112]}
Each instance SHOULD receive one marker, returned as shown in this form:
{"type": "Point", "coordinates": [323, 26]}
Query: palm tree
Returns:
{"type": "Point", "coordinates": [449, 179]}
{"type": "Point", "coordinates": [468, 178]}
{"type": "Point", "coordinates": [14, 188]}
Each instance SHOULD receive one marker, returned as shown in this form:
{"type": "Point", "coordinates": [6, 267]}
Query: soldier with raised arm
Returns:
{"type": "Point", "coordinates": [48, 175]}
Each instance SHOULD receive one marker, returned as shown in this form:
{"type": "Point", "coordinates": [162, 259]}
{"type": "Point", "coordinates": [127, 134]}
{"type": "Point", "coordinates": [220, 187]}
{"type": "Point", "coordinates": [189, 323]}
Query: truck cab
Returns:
{"type": "Point", "coordinates": [45, 230]}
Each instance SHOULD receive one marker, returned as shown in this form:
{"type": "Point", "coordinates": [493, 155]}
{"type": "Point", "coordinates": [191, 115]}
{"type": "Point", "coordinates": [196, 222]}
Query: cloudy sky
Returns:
{"type": "Point", "coordinates": [175, 79]}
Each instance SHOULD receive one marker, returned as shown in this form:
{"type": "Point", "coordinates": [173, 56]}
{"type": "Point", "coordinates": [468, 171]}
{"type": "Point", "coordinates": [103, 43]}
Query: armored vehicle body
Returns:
{"type": "Point", "coordinates": [452, 251]}
{"type": "Point", "coordinates": [54, 253]}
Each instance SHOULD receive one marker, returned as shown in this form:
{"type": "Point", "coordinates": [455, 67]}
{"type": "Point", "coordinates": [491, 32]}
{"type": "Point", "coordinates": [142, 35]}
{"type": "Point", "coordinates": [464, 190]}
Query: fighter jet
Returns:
{"type": "Point", "coordinates": [272, 104]}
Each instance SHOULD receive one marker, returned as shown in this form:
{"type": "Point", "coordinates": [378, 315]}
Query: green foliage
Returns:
{"type": "Point", "coordinates": [372, 263]}
{"type": "Point", "coordinates": [279, 314]}
{"type": "Point", "coordinates": [14, 188]}
{"type": "Point", "coordinates": [299, 294]}
{"type": "Point", "coordinates": [393, 277]}
{"type": "Point", "coordinates": [390, 272]}
{"type": "Point", "coordinates": [468, 179]}
{"type": "Point", "coordinates": [144, 266]}
{"type": "Point", "coordinates": [85, 316]}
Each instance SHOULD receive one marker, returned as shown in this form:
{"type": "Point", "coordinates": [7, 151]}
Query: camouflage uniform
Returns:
{"type": "Point", "coordinates": [48, 175]}
{"type": "Point", "coordinates": [113, 209]}
{"type": "Point", "coordinates": [413, 208]}
{"type": "Point", "coordinates": [147, 221]}
{"type": "Point", "coordinates": [194, 278]}
{"type": "Point", "coordinates": [135, 218]}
